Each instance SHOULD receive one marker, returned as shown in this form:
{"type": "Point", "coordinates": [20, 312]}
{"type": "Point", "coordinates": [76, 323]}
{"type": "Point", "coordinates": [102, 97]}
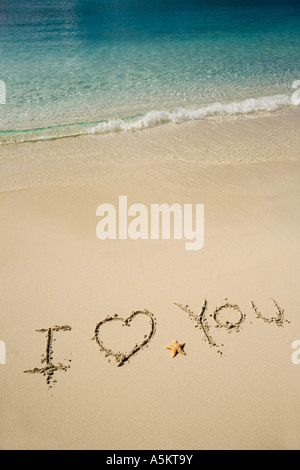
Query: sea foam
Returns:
{"type": "Point", "coordinates": [151, 119]}
{"type": "Point", "coordinates": [155, 118]}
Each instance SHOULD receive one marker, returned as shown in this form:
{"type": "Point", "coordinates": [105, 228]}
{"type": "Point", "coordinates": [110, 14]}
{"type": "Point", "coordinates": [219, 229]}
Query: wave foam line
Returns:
{"type": "Point", "coordinates": [155, 118]}
{"type": "Point", "coordinates": [148, 120]}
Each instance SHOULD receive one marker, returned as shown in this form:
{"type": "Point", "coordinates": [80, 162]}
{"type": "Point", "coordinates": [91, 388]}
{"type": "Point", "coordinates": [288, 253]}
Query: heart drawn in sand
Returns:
{"type": "Point", "coordinates": [122, 358]}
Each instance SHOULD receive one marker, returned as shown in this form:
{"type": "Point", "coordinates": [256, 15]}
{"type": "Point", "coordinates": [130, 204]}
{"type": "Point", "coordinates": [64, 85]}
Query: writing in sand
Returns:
{"type": "Point", "coordinates": [228, 316]}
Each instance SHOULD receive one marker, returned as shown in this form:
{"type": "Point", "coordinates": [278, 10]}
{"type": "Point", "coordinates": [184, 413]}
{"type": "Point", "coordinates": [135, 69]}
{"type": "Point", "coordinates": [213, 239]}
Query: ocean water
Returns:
{"type": "Point", "coordinates": [94, 66]}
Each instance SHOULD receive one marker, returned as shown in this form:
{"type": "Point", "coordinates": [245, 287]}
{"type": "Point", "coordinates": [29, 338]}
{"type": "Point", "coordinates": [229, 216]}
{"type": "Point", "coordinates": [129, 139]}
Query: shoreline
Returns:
{"type": "Point", "coordinates": [135, 121]}
{"type": "Point", "coordinates": [198, 144]}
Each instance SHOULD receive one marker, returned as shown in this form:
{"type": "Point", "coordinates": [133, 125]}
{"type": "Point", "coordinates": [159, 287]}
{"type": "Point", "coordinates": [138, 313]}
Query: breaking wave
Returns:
{"type": "Point", "coordinates": [155, 118]}
{"type": "Point", "coordinates": [147, 120]}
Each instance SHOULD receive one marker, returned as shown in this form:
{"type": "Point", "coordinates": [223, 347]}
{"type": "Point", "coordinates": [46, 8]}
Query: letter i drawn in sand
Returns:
{"type": "Point", "coordinates": [49, 369]}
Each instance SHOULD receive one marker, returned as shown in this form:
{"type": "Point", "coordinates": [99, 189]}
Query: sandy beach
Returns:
{"type": "Point", "coordinates": [241, 391]}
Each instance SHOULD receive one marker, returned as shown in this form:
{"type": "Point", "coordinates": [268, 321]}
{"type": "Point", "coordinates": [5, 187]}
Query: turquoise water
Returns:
{"type": "Point", "coordinates": [89, 66]}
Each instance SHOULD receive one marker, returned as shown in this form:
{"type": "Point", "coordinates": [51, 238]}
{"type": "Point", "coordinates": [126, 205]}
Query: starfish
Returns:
{"type": "Point", "coordinates": [176, 348]}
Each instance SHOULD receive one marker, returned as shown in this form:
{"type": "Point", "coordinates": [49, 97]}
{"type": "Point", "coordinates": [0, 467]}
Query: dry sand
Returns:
{"type": "Point", "coordinates": [236, 388]}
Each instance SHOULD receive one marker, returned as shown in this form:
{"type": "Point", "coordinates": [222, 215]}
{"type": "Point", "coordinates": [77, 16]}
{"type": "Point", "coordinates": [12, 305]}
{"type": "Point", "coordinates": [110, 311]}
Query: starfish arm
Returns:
{"type": "Point", "coordinates": [181, 351]}
{"type": "Point", "coordinates": [174, 353]}
{"type": "Point", "coordinates": [169, 347]}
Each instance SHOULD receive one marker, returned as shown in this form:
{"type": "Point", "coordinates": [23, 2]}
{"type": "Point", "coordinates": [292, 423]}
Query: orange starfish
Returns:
{"type": "Point", "coordinates": [176, 348]}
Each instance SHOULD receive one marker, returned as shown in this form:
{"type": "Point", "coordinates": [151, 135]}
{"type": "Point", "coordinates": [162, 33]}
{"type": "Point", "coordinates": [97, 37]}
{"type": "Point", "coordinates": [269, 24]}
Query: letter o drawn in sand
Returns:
{"type": "Point", "coordinates": [229, 325]}
{"type": "Point", "coordinates": [122, 358]}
